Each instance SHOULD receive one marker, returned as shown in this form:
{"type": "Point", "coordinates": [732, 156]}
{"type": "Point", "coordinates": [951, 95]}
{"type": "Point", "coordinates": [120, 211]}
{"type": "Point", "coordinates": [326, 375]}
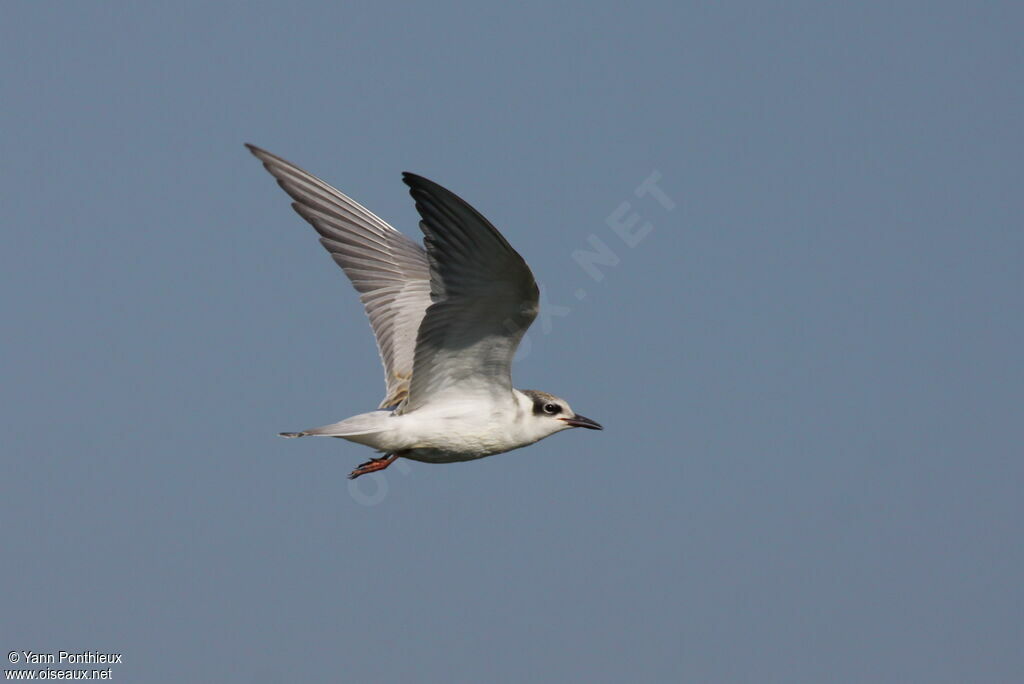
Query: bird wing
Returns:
{"type": "Point", "coordinates": [484, 298]}
{"type": "Point", "coordinates": [390, 271]}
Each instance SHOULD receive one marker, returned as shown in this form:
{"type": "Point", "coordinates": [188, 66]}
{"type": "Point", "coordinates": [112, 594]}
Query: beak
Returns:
{"type": "Point", "coordinates": [583, 421]}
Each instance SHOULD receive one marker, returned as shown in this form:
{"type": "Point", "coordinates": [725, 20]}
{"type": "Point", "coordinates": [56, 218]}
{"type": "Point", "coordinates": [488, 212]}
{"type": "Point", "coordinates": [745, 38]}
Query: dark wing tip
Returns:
{"type": "Point", "coordinates": [414, 180]}
{"type": "Point", "coordinates": [424, 188]}
{"type": "Point", "coordinates": [421, 186]}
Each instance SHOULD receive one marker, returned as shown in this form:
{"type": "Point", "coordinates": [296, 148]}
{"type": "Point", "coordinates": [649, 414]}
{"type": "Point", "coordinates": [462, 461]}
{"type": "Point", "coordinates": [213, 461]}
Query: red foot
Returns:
{"type": "Point", "coordinates": [372, 466]}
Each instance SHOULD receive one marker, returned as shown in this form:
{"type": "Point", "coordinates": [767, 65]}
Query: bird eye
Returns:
{"type": "Point", "coordinates": [552, 409]}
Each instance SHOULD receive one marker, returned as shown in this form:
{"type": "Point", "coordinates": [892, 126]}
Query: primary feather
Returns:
{"type": "Point", "coordinates": [390, 271]}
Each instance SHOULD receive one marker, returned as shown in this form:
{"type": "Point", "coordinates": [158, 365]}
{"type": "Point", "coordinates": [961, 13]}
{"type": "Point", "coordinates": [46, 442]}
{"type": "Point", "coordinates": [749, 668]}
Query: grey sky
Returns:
{"type": "Point", "coordinates": [809, 369]}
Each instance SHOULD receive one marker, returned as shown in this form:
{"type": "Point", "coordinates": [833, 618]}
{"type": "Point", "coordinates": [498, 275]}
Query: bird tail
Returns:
{"type": "Point", "coordinates": [364, 423]}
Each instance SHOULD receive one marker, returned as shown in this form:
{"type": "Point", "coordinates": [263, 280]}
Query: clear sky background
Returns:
{"type": "Point", "coordinates": [809, 369]}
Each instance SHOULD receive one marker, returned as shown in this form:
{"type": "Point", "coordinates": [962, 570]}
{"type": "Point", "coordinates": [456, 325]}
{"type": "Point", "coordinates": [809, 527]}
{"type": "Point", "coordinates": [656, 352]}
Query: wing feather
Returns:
{"type": "Point", "coordinates": [390, 272]}
{"type": "Point", "coordinates": [484, 298]}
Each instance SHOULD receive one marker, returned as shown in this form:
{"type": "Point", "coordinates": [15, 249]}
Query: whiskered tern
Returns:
{"type": "Point", "coordinates": [448, 318]}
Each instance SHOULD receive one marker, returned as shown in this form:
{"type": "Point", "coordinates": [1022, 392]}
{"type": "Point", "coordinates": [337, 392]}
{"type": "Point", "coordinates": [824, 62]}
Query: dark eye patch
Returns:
{"type": "Point", "coordinates": [540, 408]}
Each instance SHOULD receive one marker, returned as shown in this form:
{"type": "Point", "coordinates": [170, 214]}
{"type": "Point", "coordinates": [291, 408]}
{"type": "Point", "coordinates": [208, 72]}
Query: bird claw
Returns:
{"type": "Point", "coordinates": [372, 466]}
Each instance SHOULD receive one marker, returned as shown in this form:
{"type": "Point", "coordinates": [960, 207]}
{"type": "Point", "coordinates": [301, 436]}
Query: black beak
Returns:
{"type": "Point", "coordinates": [583, 421]}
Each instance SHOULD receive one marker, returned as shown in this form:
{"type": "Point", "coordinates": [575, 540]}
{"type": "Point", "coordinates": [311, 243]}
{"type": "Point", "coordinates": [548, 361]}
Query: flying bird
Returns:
{"type": "Point", "coordinates": [448, 317]}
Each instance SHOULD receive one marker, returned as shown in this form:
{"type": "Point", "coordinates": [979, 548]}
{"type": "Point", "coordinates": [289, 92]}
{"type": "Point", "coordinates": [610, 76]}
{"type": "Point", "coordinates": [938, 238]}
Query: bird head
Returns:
{"type": "Point", "coordinates": [551, 414]}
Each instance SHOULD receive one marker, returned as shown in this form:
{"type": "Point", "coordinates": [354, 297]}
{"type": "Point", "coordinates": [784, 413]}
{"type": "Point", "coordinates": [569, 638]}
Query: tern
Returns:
{"type": "Point", "coordinates": [448, 318]}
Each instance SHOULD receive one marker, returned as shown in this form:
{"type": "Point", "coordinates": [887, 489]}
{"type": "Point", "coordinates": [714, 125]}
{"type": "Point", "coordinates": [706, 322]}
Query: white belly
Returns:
{"type": "Point", "coordinates": [456, 433]}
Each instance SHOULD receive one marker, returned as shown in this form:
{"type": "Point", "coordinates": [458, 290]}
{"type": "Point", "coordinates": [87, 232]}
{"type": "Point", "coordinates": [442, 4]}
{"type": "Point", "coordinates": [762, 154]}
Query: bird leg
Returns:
{"type": "Point", "coordinates": [373, 465]}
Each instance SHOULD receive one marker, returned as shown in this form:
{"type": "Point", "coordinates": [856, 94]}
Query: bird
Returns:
{"type": "Point", "coordinates": [448, 317]}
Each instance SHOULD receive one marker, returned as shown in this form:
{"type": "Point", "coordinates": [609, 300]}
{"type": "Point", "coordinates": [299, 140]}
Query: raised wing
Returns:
{"type": "Point", "coordinates": [390, 271]}
{"type": "Point", "coordinates": [484, 296]}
